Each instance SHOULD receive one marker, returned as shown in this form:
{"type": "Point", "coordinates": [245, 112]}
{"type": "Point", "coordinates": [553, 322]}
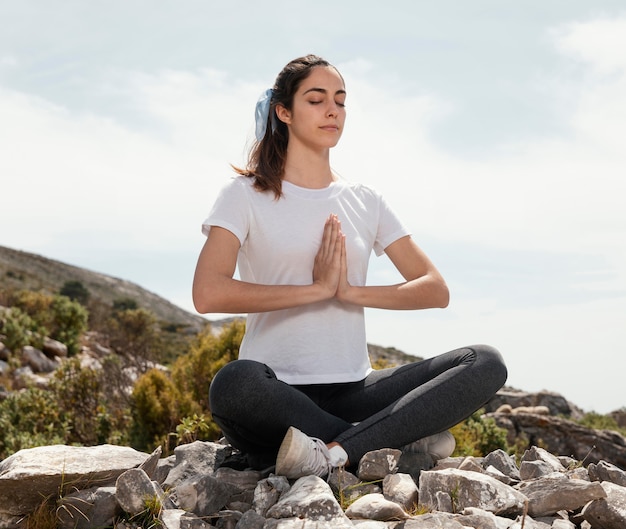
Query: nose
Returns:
{"type": "Point", "coordinates": [332, 110]}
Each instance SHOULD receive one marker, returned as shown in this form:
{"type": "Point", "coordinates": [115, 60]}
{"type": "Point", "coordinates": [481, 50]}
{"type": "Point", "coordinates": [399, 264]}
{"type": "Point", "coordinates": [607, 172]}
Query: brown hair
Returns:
{"type": "Point", "coordinates": [266, 161]}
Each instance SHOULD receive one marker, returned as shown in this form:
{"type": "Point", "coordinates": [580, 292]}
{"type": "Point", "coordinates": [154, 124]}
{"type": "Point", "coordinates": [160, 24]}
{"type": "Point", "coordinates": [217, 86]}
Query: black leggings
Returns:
{"type": "Point", "coordinates": [388, 409]}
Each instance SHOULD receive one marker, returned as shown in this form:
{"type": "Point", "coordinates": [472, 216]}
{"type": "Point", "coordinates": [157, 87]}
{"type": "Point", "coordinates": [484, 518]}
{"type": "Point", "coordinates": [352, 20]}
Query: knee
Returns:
{"type": "Point", "coordinates": [492, 364]}
{"type": "Point", "coordinates": [232, 380]}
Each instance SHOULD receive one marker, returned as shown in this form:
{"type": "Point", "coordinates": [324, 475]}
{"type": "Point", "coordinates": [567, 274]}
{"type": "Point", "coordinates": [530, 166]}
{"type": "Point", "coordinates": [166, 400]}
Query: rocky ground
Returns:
{"type": "Point", "coordinates": [196, 487]}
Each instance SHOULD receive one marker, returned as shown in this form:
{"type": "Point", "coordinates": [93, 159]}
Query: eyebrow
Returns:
{"type": "Point", "coordinates": [323, 91]}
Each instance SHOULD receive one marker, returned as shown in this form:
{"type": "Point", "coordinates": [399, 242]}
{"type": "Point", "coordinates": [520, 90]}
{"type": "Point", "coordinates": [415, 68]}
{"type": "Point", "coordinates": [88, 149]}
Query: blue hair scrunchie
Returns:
{"type": "Point", "coordinates": [261, 114]}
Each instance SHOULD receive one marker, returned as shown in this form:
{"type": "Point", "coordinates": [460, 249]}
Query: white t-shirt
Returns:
{"type": "Point", "coordinates": [322, 342]}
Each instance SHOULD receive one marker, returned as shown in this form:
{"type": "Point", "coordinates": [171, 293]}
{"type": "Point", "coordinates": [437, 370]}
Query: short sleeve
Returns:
{"type": "Point", "coordinates": [390, 228]}
{"type": "Point", "coordinates": [231, 209]}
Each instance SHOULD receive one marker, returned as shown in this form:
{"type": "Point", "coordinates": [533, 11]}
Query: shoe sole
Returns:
{"type": "Point", "coordinates": [286, 455]}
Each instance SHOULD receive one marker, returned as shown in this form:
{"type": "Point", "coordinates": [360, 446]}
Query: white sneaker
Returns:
{"type": "Point", "coordinates": [438, 446]}
{"type": "Point", "coordinates": [300, 455]}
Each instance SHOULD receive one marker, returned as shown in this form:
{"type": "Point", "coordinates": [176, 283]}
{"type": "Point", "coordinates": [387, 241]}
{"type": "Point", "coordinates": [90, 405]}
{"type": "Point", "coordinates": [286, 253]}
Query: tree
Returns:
{"type": "Point", "coordinates": [76, 291]}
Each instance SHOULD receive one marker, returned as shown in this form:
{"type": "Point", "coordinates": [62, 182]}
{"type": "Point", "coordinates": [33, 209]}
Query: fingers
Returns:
{"type": "Point", "coordinates": [331, 239]}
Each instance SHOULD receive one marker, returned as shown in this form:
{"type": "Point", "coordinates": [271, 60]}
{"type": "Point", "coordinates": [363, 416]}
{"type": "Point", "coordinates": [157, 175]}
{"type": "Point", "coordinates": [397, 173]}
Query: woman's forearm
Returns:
{"type": "Point", "coordinates": [233, 296]}
{"type": "Point", "coordinates": [422, 293]}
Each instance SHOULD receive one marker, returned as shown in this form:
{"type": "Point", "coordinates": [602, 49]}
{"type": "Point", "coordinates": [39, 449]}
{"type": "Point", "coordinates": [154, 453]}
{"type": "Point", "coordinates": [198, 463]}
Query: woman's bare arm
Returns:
{"type": "Point", "coordinates": [216, 291]}
{"type": "Point", "coordinates": [423, 288]}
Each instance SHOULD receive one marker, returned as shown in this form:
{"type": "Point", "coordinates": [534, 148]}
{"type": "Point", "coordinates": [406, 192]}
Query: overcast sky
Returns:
{"type": "Point", "coordinates": [497, 130]}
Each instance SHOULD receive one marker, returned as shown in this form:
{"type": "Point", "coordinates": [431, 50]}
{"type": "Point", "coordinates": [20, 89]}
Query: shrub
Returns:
{"type": "Point", "coordinates": [134, 333]}
{"type": "Point", "coordinates": [20, 329]}
{"type": "Point", "coordinates": [478, 436]}
{"type": "Point", "coordinates": [76, 291]}
{"type": "Point", "coordinates": [77, 392]}
{"type": "Point", "coordinates": [69, 322]}
{"type": "Point", "coordinates": [162, 404]}
{"type": "Point", "coordinates": [157, 407]}
{"type": "Point", "coordinates": [208, 353]}
{"type": "Point", "coordinates": [601, 422]}
{"type": "Point", "coordinates": [30, 418]}
{"type": "Point", "coordinates": [60, 317]}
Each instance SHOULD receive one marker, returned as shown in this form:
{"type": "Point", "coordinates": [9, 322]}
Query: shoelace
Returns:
{"type": "Point", "coordinates": [318, 459]}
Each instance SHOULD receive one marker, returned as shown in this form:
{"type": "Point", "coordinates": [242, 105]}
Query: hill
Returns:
{"type": "Point", "coordinates": [28, 271]}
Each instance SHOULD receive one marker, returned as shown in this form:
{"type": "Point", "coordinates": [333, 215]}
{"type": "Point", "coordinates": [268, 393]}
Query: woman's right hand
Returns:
{"type": "Point", "coordinates": [327, 263]}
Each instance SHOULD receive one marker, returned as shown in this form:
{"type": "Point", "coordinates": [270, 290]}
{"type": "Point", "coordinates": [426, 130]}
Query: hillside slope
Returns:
{"type": "Point", "coordinates": [23, 270]}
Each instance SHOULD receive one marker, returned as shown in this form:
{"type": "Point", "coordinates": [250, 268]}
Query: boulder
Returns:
{"type": "Point", "coordinates": [30, 476]}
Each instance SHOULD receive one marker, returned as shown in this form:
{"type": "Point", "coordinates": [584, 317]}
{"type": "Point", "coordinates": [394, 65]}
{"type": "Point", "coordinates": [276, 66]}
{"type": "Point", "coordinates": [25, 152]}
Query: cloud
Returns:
{"type": "Point", "coordinates": [599, 43]}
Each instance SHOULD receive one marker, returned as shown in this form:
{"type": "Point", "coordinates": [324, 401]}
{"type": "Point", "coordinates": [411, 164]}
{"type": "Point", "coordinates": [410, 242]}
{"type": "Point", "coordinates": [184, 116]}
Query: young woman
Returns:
{"type": "Point", "coordinates": [303, 393]}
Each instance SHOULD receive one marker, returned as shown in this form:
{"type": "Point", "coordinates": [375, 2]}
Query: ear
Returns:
{"type": "Point", "coordinates": [283, 114]}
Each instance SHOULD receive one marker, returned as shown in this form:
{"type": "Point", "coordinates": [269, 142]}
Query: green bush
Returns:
{"type": "Point", "coordinates": [598, 421]}
{"type": "Point", "coordinates": [58, 316]}
{"type": "Point", "coordinates": [77, 391]}
{"type": "Point", "coordinates": [69, 322]}
{"type": "Point", "coordinates": [76, 291]}
{"type": "Point", "coordinates": [163, 404]}
{"type": "Point", "coordinates": [208, 353]}
{"type": "Point", "coordinates": [157, 408]}
{"type": "Point", "coordinates": [478, 436]}
{"type": "Point", "coordinates": [20, 329]}
{"type": "Point", "coordinates": [135, 333]}
{"type": "Point", "coordinates": [30, 418]}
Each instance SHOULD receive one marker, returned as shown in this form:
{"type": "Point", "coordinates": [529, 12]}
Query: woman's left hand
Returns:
{"type": "Point", "coordinates": [343, 288]}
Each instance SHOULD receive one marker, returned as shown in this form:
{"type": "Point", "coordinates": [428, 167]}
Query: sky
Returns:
{"type": "Point", "coordinates": [496, 130]}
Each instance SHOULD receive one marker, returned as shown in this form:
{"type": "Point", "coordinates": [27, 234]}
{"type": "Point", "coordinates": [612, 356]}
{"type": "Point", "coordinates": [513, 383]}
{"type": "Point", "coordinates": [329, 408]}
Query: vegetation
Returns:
{"type": "Point", "coordinates": [478, 436]}
{"type": "Point", "coordinates": [601, 422]}
{"type": "Point", "coordinates": [152, 389]}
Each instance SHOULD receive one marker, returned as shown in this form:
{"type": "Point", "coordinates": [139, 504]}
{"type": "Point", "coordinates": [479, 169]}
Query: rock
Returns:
{"type": "Point", "coordinates": [53, 348]}
{"type": "Point", "coordinates": [35, 473]}
{"type": "Point", "coordinates": [562, 436]}
{"type": "Point", "coordinates": [197, 458]}
{"type": "Point", "coordinates": [88, 508]}
{"type": "Point", "coordinates": [469, 489]}
{"type": "Point", "coordinates": [203, 495]}
{"type": "Point", "coordinates": [556, 404]}
{"type": "Point", "coordinates": [608, 512]}
{"type": "Point", "coordinates": [378, 463]}
{"type": "Point", "coordinates": [503, 462]}
{"type": "Point", "coordinates": [401, 489]}
{"type": "Point", "coordinates": [4, 352]}
{"type": "Point", "coordinates": [135, 491]}
{"type": "Point", "coordinates": [309, 497]}
{"type": "Point", "coordinates": [37, 361]}
{"type": "Point", "coordinates": [150, 465]}
{"type": "Point", "coordinates": [376, 507]}
{"type": "Point", "coordinates": [556, 492]}
{"type": "Point", "coordinates": [605, 471]}
{"type": "Point", "coordinates": [267, 492]}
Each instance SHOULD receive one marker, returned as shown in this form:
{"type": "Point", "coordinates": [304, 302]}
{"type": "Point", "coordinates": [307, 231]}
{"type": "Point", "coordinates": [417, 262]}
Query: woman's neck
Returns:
{"type": "Point", "coordinates": [308, 169]}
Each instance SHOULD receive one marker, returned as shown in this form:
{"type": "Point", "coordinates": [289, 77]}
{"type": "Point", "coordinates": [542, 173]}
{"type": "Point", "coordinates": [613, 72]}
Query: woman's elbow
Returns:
{"type": "Point", "coordinates": [203, 301]}
{"type": "Point", "coordinates": [444, 297]}
{"type": "Point", "coordinates": [201, 305]}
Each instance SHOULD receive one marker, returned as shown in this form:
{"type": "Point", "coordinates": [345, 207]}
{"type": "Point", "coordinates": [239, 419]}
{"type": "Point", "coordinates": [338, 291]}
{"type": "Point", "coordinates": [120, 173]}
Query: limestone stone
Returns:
{"type": "Point", "coordinates": [605, 471]}
{"type": "Point", "coordinates": [35, 473]}
{"type": "Point", "coordinates": [608, 512]}
{"type": "Point", "coordinates": [401, 489]}
{"type": "Point", "coordinates": [552, 493]}
{"type": "Point", "coordinates": [470, 489]}
{"type": "Point", "coordinates": [309, 497]}
{"type": "Point", "coordinates": [378, 463]}
{"type": "Point", "coordinates": [376, 507]}
{"type": "Point", "coordinates": [88, 508]}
